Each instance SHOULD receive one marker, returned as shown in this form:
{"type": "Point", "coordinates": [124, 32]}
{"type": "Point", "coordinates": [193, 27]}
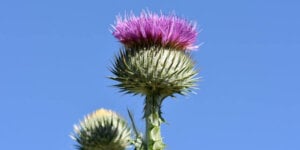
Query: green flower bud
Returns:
{"type": "Point", "coordinates": [102, 130]}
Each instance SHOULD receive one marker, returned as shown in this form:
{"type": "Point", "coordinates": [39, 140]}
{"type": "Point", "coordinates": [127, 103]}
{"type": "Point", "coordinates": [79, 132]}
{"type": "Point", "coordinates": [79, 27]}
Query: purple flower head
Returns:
{"type": "Point", "coordinates": [150, 29]}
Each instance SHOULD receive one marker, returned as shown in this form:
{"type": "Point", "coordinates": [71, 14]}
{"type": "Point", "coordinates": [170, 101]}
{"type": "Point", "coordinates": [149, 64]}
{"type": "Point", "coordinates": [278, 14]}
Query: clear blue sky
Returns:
{"type": "Point", "coordinates": [54, 59]}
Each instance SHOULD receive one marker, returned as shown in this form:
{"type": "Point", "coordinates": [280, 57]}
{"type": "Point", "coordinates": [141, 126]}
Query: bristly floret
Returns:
{"type": "Point", "coordinates": [150, 29]}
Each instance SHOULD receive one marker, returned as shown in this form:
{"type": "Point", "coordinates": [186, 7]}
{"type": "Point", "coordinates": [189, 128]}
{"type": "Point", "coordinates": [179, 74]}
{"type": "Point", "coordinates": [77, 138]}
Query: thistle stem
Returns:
{"type": "Point", "coordinates": [153, 139]}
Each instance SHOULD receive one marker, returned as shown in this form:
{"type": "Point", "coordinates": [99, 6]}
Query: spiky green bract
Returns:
{"type": "Point", "coordinates": [139, 142]}
{"type": "Point", "coordinates": [154, 70]}
{"type": "Point", "coordinates": [102, 130]}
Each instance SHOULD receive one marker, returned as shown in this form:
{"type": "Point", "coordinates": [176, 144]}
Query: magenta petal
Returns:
{"type": "Point", "coordinates": [150, 29]}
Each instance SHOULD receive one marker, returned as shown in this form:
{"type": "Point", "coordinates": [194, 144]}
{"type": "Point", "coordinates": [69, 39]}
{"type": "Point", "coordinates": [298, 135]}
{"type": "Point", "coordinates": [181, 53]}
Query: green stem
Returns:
{"type": "Point", "coordinates": [153, 119]}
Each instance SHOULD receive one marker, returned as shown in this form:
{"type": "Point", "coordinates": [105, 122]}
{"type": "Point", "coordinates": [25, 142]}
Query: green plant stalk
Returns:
{"type": "Point", "coordinates": [153, 139]}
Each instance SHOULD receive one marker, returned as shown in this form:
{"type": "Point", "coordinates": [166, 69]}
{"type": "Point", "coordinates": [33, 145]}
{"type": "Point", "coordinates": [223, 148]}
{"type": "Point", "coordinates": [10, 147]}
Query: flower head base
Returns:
{"type": "Point", "coordinates": [102, 130]}
{"type": "Point", "coordinates": [154, 70]}
{"type": "Point", "coordinates": [150, 29]}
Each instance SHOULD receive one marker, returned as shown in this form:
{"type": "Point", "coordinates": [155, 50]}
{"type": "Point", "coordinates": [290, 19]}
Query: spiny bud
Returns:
{"type": "Point", "coordinates": [102, 130]}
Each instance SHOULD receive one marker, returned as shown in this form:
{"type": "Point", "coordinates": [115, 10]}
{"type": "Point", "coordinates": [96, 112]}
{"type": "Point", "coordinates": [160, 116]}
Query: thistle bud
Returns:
{"type": "Point", "coordinates": [102, 130]}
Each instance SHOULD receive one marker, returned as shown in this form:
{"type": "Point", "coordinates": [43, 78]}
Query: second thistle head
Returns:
{"type": "Point", "coordinates": [102, 130]}
{"type": "Point", "coordinates": [155, 58]}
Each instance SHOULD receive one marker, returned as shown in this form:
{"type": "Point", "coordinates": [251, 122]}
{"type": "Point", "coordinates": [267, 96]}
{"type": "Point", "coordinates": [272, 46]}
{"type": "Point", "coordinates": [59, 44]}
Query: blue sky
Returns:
{"type": "Point", "coordinates": [55, 55]}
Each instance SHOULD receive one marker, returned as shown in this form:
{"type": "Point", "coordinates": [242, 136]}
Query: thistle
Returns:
{"type": "Point", "coordinates": [155, 62]}
{"type": "Point", "coordinates": [102, 130]}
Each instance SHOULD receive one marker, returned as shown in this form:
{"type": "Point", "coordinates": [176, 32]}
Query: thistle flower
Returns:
{"type": "Point", "coordinates": [155, 62]}
{"type": "Point", "coordinates": [102, 130]}
{"type": "Point", "coordinates": [150, 29]}
{"type": "Point", "coordinates": [155, 59]}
